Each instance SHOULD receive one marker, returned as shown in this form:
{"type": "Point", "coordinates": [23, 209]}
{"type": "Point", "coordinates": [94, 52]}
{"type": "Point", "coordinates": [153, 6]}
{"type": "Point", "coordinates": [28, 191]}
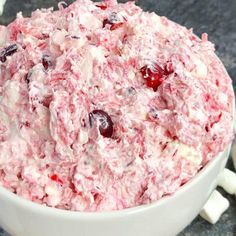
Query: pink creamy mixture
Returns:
{"type": "Point", "coordinates": [105, 107]}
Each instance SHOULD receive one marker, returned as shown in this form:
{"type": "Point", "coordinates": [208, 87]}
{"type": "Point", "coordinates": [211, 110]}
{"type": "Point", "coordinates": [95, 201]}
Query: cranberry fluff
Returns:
{"type": "Point", "coordinates": [104, 106]}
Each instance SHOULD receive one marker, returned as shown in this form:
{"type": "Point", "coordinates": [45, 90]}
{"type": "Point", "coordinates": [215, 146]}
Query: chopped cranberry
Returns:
{"type": "Point", "coordinates": [207, 97]}
{"type": "Point", "coordinates": [83, 122]}
{"type": "Point", "coordinates": [175, 152]}
{"type": "Point", "coordinates": [192, 38]}
{"type": "Point", "coordinates": [27, 78]}
{"type": "Point", "coordinates": [214, 137]}
{"type": "Point", "coordinates": [104, 120]}
{"type": "Point", "coordinates": [56, 179]}
{"type": "Point", "coordinates": [102, 7]}
{"type": "Point", "coordinates": [164, 146]}
{"type": "Point", "coordinates": [106, 22]}
{"type": "Point", "coordinates": [213, 122]}
{"type": "Point", "coordinates": [27, 124]}
{"type": "Point", "coordinates": [155, 75]}
{"type": "Point", "coordinates": [216, 120]}
{"type": "Point", "coordinates": [46, 61]}
{"type": "Point", "coordinates": [116, 26]}
{"type": "Point", "coordinates": [125, 39]}
{"type": "Point", "coordinates": [8, 51]}
{"type": "Point", "coordinates": [72, 187]}
{"type": "Point", "coordinates": [168, 68]}
{"type": "Point", "coordinates": [47, 100]}
{"type": "Point", "coordinates": [183, 182]}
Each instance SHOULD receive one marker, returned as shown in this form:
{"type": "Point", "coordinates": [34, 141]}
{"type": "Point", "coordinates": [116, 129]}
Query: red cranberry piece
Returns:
{"type": "Point", "coordinates": [27, 80]}
{"type": "Point", "coordinates": [102, 7]}
{"type": "Point", "coordinates": [47, 100]}
{"type": "Point", "coordinates": [116, 26]}
{"type": "Point", "coordinates": [56, 179]}
{"type": "Point", "coordinates": [168, 68]}
{"type": "Point", "coordinates": [27, 124]}
{"type": "Point", "coordinates": [46, 61]}
{"type": "Point", "coordinates": [154, 76]}
{"type": "Point", "coordinates": [104, 120]}
{"type": "Point", "coordinates": [8, 51]}
{"type": "Point", "coordinates": [106, 22]}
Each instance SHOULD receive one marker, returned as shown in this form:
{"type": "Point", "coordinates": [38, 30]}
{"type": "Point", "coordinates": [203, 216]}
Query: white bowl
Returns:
{"type": "Point", "coordinates": [165, 217]}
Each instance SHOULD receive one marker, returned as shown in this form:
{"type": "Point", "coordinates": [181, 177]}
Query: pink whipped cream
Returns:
{"type": "Point", "coordinates": [106, 107]}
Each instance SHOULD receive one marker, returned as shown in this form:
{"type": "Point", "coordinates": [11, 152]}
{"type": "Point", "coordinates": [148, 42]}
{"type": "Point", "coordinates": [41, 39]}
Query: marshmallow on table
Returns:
{"type": "Point", "coordinates": [2, 2]}
{"type": "Point", "coordinates": [227, 180]}
{"type": "Point", "coordinates": [214, 207]}
{"type": "Point", "coordinates": [233, 148]}
{"type": "Point", "coordinates": [233, 154]}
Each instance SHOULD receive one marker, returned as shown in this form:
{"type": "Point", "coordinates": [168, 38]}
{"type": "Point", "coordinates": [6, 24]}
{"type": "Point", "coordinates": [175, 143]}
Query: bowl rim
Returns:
{"type": "Point", "coordinates": [47, 210]}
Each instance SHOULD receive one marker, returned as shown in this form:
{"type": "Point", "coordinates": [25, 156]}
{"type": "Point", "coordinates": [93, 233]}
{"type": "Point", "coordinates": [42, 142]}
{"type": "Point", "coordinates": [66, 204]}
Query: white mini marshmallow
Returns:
{"type": "Point", "coordinates": [2, 3]}
{"type": "Point", "coordinates": [227, 180]}
{"type": "Point", "coordinates": [200, 69]}
{"type": "Point", "coordinates": [233, 148]}
{"type": "Point", "coordinates": [214, 207]}
{"type": "Point", "coordinates": [233, 154]}
{"type": "Point", "coordinates": [83, 137]}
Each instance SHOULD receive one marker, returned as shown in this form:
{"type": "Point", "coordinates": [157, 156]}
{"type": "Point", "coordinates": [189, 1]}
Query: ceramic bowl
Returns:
{"type": "Point", "coordinates": [166, 217]}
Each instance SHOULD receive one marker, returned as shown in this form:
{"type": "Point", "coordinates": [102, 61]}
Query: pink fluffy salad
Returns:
{"type": "Point", "coordinates": [104, 106]}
